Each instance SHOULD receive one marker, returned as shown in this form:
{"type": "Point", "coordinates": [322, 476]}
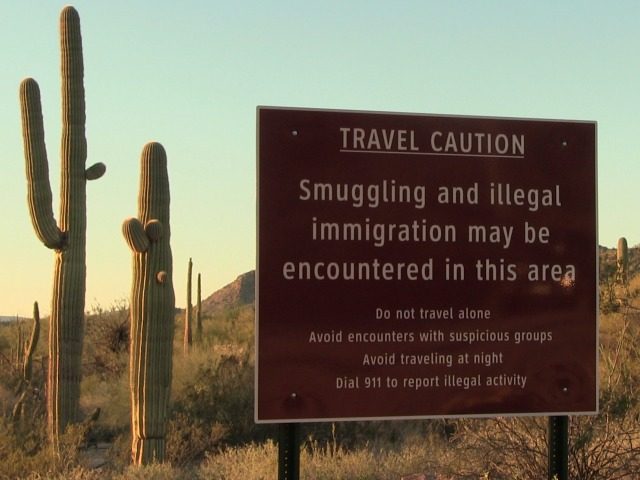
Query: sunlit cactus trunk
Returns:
{"type": "Point", "coordinates": [188, 314]}
{"type": "Point", "coordinates": [152, 309]}
{"type": "Point", "coordinates": [622, 261]}
{"type": "Point", "coordinates": [67, 237]}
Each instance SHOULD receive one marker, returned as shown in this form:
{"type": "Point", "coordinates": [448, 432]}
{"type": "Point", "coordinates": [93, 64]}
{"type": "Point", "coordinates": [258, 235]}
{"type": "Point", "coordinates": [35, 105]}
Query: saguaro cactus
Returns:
{"type": "Point", "coordinates": [188, 314]}
{"type": "Point", "coordinates": [19, 343]}
{"type": "Point", "coordinates": [152, 309]}
{"type": "Point", "coordinates": [199, 311]}
{"type": "Point", "coordinates": [622, 261]}
{"type": "Point", "coordinates": [30, 348]}
{"type": "Point", "coordinates": [26, 387]}
{"type": "Point", "coordinates": [69, 236]}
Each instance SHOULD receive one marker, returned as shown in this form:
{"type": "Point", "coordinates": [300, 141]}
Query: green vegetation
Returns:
{"type": "Point", "coordinates": [211, 435]}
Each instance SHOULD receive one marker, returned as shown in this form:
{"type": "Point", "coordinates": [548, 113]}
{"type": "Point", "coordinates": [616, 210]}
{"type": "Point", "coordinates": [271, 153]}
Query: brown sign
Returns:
{"type": "Point", "coordinates": [417, 266]}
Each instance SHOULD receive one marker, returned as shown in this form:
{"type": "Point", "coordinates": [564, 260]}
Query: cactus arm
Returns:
{"type": "Point", "coordinates": [135, 235]}
{"type": "Point", "coordinates": [153, 229]}
{"type": "Point", "coordinates": [73, 148]}
{"type": "Point", "coordinates": [72, 72]}
{"type": "Point", "coordinates": [139, 238]}
{"type": "Point", "coordinates": [95, 171]}
{"type": "Point", "coordinates": [37, 167]}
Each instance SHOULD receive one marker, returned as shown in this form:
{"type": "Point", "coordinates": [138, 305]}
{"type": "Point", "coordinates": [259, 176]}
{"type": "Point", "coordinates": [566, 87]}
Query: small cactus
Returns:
{"type": "Point", "coordinates": [199, 311]}
{"type": "Point", "coordinates": [30, 348]}
{"type": "Point", "coordinates": [622, 261]}
{"type": "Point", "coordinates": [68, 237]}
{"type": "Point", "coordinates": [152, 309]}
{"type": "Point", "coordinates": [19, 343]}
{"type": "Point", "coordinates": [188, 320]}
{"type": "Point", "coordinates": [27, 365]}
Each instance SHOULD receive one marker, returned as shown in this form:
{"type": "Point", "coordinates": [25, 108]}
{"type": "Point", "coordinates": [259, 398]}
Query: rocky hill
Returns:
{"type": "Point", "coordinates": [236, 294]}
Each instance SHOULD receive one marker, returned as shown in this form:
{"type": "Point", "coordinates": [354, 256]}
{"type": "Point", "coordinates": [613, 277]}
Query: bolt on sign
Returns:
{"type": "Point", "coordinates": [414, 266]}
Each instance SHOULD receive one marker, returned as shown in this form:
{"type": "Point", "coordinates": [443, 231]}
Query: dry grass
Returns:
{"type": "Point", "coordinates": [258, 462]}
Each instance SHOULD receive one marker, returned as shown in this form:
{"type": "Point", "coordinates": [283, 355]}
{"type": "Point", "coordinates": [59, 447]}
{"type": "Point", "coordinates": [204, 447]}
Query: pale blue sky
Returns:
{"type": "Point", "coordinates": [190, 75]}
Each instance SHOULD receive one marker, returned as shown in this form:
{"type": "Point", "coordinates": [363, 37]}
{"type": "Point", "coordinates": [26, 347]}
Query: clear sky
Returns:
{"type": "Point", "coordinates": [190, 74]}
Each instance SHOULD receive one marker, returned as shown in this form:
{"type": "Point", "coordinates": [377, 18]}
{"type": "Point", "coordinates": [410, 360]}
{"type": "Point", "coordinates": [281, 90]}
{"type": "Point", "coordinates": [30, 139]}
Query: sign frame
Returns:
{"type": "Point", "coordinates": [410, 143]}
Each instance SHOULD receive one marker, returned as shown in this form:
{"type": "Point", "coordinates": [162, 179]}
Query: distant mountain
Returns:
{"type": "Point", "coordinates": [9, 318]}
{"type": "Point", "coordinates": [238, 293]}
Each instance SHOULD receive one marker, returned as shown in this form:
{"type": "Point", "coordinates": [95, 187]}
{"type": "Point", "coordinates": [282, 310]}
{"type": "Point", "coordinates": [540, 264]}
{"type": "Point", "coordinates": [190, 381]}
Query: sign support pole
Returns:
{"type": "Point", "coordinates": [289, 451]}
{"type": "Point", "coordinates": [559, 448]}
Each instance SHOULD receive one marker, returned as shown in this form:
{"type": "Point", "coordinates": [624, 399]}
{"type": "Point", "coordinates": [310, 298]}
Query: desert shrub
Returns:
{"type": "Point", "coordinates": [213, 385]}
{"type": "Point", "coordinates": [112, 397]}
{"type": "Point", "coordinates": [234, 325]}
{"type": "Point", "coordinates": [189, 439]}
{"type": "Point", "coordinates": [22, 439]}
{"type": "Point", "coordinates": [75, 473]}
{"type": "Point", "coordinates": [504, 448]}
{"type": "Point", "coordinates": [600, 447]}
{"type": "Point", "coordinates": [107, 340]}
{"type": "Point", "coordinates": [328, 461]}
{"type": "Point", "coordinates": [17, 392]}
{"type": "Point", "coordinates": [220, 392]}
{"type": "Point", "coordinates": [105, 380]}
{"type": "Point", "coordinates": [27, 453]}
{"type": "Point", "coordinates": [607, 286]}
{"type": "Point", "coordinates": [155, 471]}
{"type": "Point", "coordinates": [603, 446]}
{"type": "Point", "coordinates": [377, 434]}
{"type": "Point", "coordinates": [258, 462]}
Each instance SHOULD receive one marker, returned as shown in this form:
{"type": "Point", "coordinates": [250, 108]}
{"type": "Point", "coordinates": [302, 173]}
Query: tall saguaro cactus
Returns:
{"type": "Point", "coordinates": [68, 237]}
{"type": "Point", "coordinates": [152, 309]}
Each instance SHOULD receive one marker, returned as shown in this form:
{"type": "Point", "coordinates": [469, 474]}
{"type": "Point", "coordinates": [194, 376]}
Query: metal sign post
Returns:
{"type": "Point", "coordinates": [559, 448]}
{"type": "Point", "coordinates": [289, 451]}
